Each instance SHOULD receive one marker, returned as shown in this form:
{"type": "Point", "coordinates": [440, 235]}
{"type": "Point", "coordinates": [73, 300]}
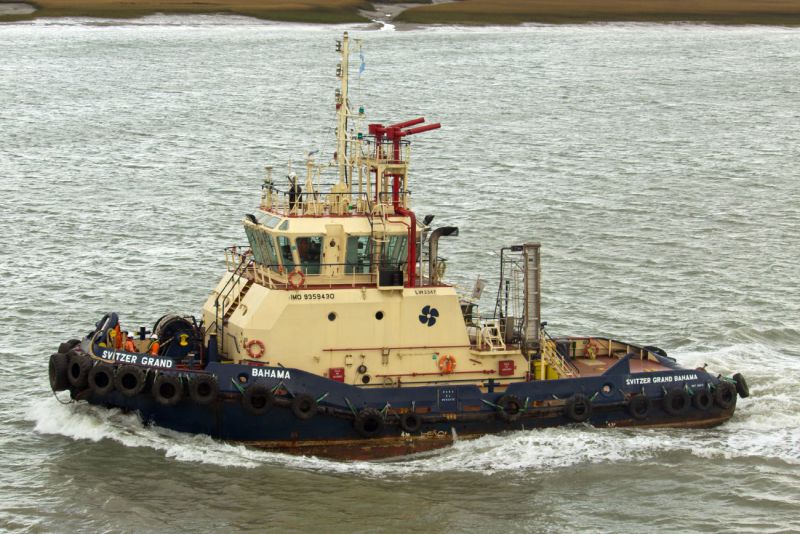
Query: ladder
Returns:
{"type": "Point", "coordinates": [553, 359]}
{"type": "Point", "coordinates": [224, 305]}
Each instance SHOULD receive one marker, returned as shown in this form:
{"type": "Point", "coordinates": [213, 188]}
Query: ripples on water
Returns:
{"type": "Point", "coordinates": [656, 164]}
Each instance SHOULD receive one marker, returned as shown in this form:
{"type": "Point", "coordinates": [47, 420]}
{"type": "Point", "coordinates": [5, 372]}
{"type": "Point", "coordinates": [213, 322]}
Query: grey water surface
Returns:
{"type": "Point", "coordinates": [657, 165]}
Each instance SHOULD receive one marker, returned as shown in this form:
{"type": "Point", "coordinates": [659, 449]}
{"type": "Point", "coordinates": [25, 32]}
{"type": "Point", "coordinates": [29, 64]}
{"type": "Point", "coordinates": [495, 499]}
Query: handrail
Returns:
{"type": "Point", "coordinates": [224, 293]}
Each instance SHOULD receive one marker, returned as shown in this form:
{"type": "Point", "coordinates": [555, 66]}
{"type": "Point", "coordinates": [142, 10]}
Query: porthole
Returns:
{"type": "Point", "coordinates": [242, 378]}
{"type": "Point", "coordinates": [607, 389]}
{"type": "Point", "coordinates": [365, 379]}
{"type": "Point", "coordinates": [379, 315]}
{"type": "Point", "coordinates": [331, 316]}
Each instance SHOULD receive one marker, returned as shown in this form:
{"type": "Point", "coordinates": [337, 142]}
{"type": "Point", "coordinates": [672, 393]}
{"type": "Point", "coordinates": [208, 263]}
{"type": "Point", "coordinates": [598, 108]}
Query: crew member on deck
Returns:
{"type": "Point", "coordinates": [130, 346]}
{"type": "Point", "coordinates": [154, 345]}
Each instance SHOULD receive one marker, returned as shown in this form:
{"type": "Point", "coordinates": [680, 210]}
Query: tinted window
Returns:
{"type": "Point", "coordinates": [358, 255]}
{"type": "Point", "coordinates": [309, 250]}
{"type": "Point", "coordinates": [285, 250]}
{"type": "Point", "coordinates": [394, 251]}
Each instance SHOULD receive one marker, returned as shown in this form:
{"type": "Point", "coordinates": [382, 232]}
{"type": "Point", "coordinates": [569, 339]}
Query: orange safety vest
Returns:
{"type": "Point", "coordinates": [130, 346]}
{"type": "Point", "coordinates": [117, 337]}
{"type": "Point", "coordinates": [154, 348]}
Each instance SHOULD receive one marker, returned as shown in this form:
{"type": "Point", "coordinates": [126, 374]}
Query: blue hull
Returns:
{"type": "Point", "coordinates": [444, 412]}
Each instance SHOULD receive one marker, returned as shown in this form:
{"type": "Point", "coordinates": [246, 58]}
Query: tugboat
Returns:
{"type": "Point", "coordinates": [333, 333]}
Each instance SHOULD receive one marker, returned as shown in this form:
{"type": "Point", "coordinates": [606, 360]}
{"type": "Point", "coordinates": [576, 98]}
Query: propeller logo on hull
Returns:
{"type": "Point", "coordinates": [428, 315]}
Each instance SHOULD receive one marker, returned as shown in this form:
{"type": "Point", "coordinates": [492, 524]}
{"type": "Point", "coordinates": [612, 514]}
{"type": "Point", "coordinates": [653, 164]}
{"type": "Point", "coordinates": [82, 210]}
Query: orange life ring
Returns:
{"type": "Point", "coordinates": [447, 364]}
{"type": "Point", "coordinates": [261, 348]}
{"type": "Point", "coordinates": [296, 278]}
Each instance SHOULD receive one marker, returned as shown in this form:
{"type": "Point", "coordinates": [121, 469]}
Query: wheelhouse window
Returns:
{"type": "Point", "coordinates": [309, 250]}
{"type": "Point", "coordinates": [358, 255]}
{"type": "Point", "coordinates": [285, 250]}
{"type": "Point", "coordinates": [394, 252]}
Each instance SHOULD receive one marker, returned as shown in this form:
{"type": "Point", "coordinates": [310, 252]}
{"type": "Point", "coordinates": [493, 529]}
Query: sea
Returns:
{"type": "Point", "coordinates": [657, 165]}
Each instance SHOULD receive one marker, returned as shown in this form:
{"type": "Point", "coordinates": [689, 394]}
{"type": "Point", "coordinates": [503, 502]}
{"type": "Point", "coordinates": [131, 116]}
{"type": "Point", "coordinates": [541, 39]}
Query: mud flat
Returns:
{"type": "Point", "coordinates": [315, 11]}
{"type": "Point", "coordinates": [472, 12]}
{"type": "Point", "coordinates": [771, 12]}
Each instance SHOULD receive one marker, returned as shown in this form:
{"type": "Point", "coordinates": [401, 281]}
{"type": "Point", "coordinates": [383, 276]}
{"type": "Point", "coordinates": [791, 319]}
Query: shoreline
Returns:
{"type": "Point", "coordinates": [439, 12]}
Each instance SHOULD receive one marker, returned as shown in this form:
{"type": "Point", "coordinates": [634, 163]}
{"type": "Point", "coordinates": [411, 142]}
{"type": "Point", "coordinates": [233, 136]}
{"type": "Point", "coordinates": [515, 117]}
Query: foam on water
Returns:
{"type": "Point", "coordinates": [766, 425]}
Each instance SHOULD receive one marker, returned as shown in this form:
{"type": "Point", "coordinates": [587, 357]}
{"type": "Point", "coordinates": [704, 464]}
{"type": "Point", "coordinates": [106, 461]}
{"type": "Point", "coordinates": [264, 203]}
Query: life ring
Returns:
{"type": "Point", "coordinates": [261, 348]}
{"type": "Point", "coordinates": [639, 406]}
{"type": "Point", "coordinates": [130, 380]}
{"type": "Point", "coordinates": [447, 364]}
{"type": "Point", "coordinates": [203, 389]}
{"type": "Point", "coordinates": [592, 349]}
{"type": "Point", "coordinates": [101, 378]}
{"type": "Point", "coordinates": [369, 423]}
{"type": "Point", "coordinates": [509, 408]}
{"type": "Point", "coordinates": [167, 389]}
{"type": "Point", "coordinates": [578, 408]}
{"type": "Point", "coordinates": [676, 402]}
{"type": "Point", "coordinates": [304, 407]}
{"type": "Point", "coordinates": [296, 278]}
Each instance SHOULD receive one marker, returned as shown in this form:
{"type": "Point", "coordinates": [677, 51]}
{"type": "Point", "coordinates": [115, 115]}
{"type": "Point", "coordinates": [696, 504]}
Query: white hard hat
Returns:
{"type": "Point", "coordinates": [153, 336]}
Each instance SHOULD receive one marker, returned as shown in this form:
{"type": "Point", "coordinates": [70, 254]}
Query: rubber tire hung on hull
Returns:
{"type": "Point", "coordinates": [509, 408]}
{"type": "Point", "coordinates": [101, 378]}
{"type": "Point", "coordinates": [676, 401]}
{"type": "Point", "coordinates": [578, 408]}
{"type": "Point", "coordinates": [57, 371]}
{"type": "Point", "coordinates": [79, 367]}
{"type": "Point", "coordinates": [369, 423]}
{"type": "Point", "coordinates": [167, 389]}
{"type": "Point", "coordinates": [639, 406]}
{"type": "Point", "coordinates": [304, 407]}
{"type": "Point", "coordinates": [257, 399]}
{"type": "Point", "coordinates": [130, 380]}
{"type": "Point", "coordinates": [725, 395]}
{"type": "Point", "coordinates": [702, 400]}
{"type": "Point", "coordinates": [203, 388]}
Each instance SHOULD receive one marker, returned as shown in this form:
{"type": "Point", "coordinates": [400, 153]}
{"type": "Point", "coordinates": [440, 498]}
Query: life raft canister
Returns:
{"type": "Point", "coordinates": [255, 343]}
{"type": "Point", "coordinates": [447, 364]}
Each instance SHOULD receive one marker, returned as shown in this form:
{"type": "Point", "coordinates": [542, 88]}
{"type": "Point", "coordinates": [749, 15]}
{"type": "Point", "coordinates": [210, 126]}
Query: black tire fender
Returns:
{"type": "Point", "coordinates": [130, 380]}
{"type": "Point", "coordinates": [57, 371]}
{"type": "Point", "coordinates": [257, 399]}
{"type": "Point", "coordinates": [78, 372]}
{"type": "Point", "coordinates": [741, 386]}
{"type": "Point", "coordinates": [101, 378]}
{"type": "Point", "coordinates": [67, 346]}
{"type": "Point", "coordinates": [578, 408]}
{"type": "Point", "coordinates": [167, 389]}
{"type": "Point", "coordinates": [304, 407]}
{"type": "Point", "coordinates": [639, 406]}
{"type": "Point", "coordinates": [509, 408]}
{"type": "Point", "coordinates": [725, 395]}
{"type": "Point", "coordinates": [702, 400]}
{"type": "Point", "coordinates": [369, 423]}
{"type": "Point", "coordinates": [203, 388]}
{"type": "Point", "coordinates": [676, 401]}
{"type": "Point", "coordinates": [410, 422]}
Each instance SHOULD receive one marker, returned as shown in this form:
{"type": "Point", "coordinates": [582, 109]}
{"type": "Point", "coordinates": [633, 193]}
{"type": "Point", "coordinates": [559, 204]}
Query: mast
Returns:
{"type": "Point", "coordinates": [342, 110]}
